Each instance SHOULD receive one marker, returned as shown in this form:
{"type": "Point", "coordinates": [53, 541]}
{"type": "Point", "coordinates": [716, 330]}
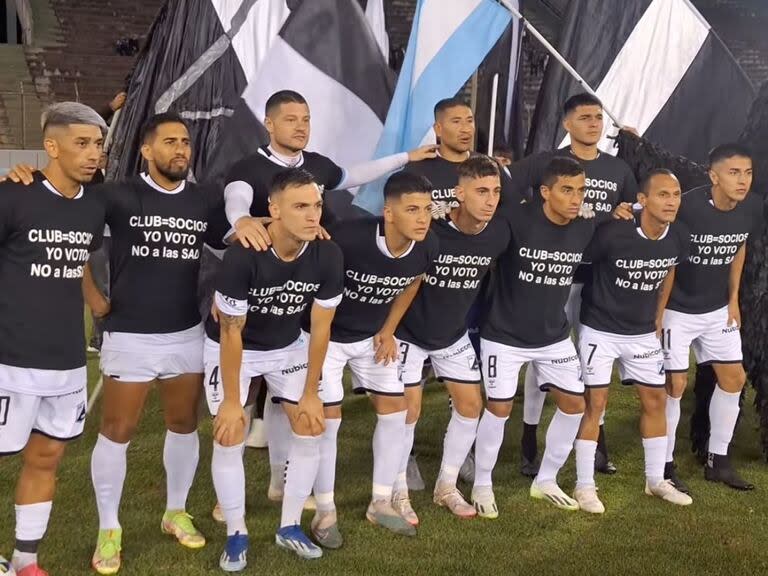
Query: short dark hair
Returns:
{"type": "Point", "coordinates": [150, 127]}
{"type": "Point", "coordinates": [560, 166]}
{"type": "Point", "coordinates": [645, 183]}
{"type": "Point", "coordinates": [290, 178]}
{"type": "Point", "coordinates": [405, 182]}
{"type": "Point", "coordinates": [581, 99]}
{"type": "Point", "coordinates": [446, 103]}
{"type": "Point", "coordinates": [283, 97]}
{"type": "Point", "coordinates": [478, 166]}
{"type": "Point", "coordinates": [729, 150]}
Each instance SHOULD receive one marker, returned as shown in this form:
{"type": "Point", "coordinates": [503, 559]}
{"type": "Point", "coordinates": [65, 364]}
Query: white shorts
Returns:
{"type": "Point", "coordinates": [285, 371]}
{"type": "Point", "coordinates": [57, 417]}
{"type": "Point", "coordinates": [572, 313]}
{"type": "Point", "coordinates": [454, 363]}
{"type": "Point", "coordinates": [712, 340]}
{"type": "Point", "coordinates": [641, 360]}
{"type": "Point", "coordinates": [145, 357]}
{"type": "Point", "coordinates": [557, 366]}
{"type": "Point", "coordinates": [367, 375]}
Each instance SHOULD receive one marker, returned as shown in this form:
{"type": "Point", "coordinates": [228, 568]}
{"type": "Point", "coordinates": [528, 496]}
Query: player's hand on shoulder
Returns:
{"type": "Point", "coordinates": [22, 174]}
{"type": "Point", "coordinates": [252, 232]}
{"type": "Point", "coordinates": [385, 348]}
{"type": "Point", "coordinates": [422, 153]}
{"type": "Point", "coordinates": [322, 234]}
{"type": "Point", "coordinates": [586, 211]}
{"type": "Point", "coordinates": [229, 424]}
{"type": "Point", "coordinates": [440, 210]}
{"type": "Point", "coordinates": [310, 413]}
{"type": "Point", "coordinates": [623, 212]}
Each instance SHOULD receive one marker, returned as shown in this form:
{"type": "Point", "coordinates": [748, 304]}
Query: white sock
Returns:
{"type": "Point", "coordinates": [300, 475]}
{"type": "Point", "coordinates": [279, 442]}
{"type": "Point", "coordinates": [655, 450]}
{"type": "Point", "coordinates": [401, 482]}
{"type": "Point", "coordinates": [108, 465]}
{"type": "Point", "coordinates": [533, 401]}
{"type": "Point", "coordinates": [723, 413]}
{"type": "Point", "coordinates": [31, 524]}
{"type": "Point", "coordinates": [673, 417]}
{"type": "Point", "coordinates": [181, 454]}
{"type": "Point", "coordinates": [490, 435]}
{"type": "Point", "coordinates": [326, 472]}
{"type": "Point", "coordinates": [561, 434]}
{"type": "Point", "coordinates": [228, 475]}
{"type": "Point", "coordinates": [388, 441]}
{"type": "Point", "coordinates": [458, 441]}
{"type": "Point", "coordinates": [585, 462]}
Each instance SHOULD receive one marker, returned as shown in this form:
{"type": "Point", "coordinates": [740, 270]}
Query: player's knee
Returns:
{"type": "Point", "coordinates": [469, 408]}
{"type": "Point", "coordinates": [43, 457]}
{"type": "Point", "coordinates": [118, 430]}
{"type": "Point", "coordinates": [655, 403]}
{"type": "Point", "coordinates": [181, 423]}
{"type": "Point", "coordinates": [595, 405]}
{"type": "Point", "coordinates": [677, 383]}
{"type": "Point", "coordinates": [733, 379]}
{"type": "Point", "coordinates": [414, 413]}
{"type": "Point", "coordinates": [572, 404]}
{"type": "Point", "coordinates": [500, 409]}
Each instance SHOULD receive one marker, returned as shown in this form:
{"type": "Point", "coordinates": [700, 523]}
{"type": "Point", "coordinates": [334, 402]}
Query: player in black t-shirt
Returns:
{"type": "Point", "coordinates": [435, 326]}
{"type": "Point", "coordinates": [455, 130]}
{"type": "Point", "coordinates": [630, 261]}
{"type": "Point", "coordinates": [384, 262]}
{"type": "Point", "coordinates": [609, 182]}
{"type": "Point", "coordinates": [287, 120]}
{"type": "Point", "coordinates": [526, 323]}
{"type": "Point", "coordinates": [261, 298]}
{"type": "Point", "coordinates": [702, 311]}
{"type": "Point", "coordinates": [46, 234]}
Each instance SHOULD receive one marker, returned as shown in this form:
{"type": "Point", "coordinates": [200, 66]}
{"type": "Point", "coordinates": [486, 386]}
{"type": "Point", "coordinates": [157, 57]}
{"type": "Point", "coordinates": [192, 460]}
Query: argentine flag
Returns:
{"type": "Point", "coordinates": [449, 40]}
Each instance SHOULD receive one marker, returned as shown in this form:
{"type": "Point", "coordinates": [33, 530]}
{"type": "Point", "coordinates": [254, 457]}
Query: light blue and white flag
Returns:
{"type": "Point", "coordinates": [449, 40]}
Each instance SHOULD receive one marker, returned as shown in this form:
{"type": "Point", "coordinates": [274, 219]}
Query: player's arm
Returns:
{"type": "Point", "coordinates": [384, 341]}
{"type": "Point", "coordinates": [365, 172]}
{"type": "Point", "coordinates": [664, 293]}
{"type": "Point", "coordinates": [734, 283]}
{"type": "Point", "coordinates": [94, 299]}
{"type": "Point", "coordinates": [229, 425]}
{"type": "Point", "coordinates": [310, 406]}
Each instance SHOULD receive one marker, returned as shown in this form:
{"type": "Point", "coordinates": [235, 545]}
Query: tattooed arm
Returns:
{"type": "Point", "coordinates": [229, 425]}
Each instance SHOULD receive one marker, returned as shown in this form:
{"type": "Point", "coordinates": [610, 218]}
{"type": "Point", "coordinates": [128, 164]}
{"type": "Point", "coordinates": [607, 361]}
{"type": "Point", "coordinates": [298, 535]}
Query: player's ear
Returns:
{"type": "Point", "coordinates": [387, 213]}
{"type": "Point", "coordinates": [146, 152]}
{"type": "Point", "coordinates": [459, 193]}
{"type": "Point", "coordinates": [274, 209]}
{"type": "Point", "coordinates": [545, 192]}
{"type": "Point", "coordinates": [642, 199]}
{"type": "Point", "coordinates": [51, 147]}
{"type": "Point", "coordinates": [713, 177]}
{"type": "Point", "coordinates": [269, 125]}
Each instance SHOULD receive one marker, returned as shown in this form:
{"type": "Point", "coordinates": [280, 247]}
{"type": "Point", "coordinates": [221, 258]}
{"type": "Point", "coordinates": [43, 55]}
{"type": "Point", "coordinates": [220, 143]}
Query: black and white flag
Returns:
{"type": "Point", "coordinates": [657, 65]}
{"type": "Point", "coordinates": [216, 62]}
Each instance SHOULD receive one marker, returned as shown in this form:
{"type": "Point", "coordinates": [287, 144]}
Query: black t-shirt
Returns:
{"type": "Point", "coordinates": [437, 317]}
{"type": "Point", "coordinates": [533, 278]}
{"type": "Point", "coordinates": [701, 283]}
{"type": "Point", "coordinates": [157, 240]}
{"type": "Point", "coordinates": [258, 170]}
{"type": "Point", "coordinates": [45, 241]}
{"type": "Point", "coordinates": [373, 279]}
{"type": "Point", "coordinates": [444, 178]}
{"type": "Point", "coordinates": [627, 271]}
{"type": "Point", "coordinates": [609, 182]}
{"type": "Point", "coordinates": [278, 293]}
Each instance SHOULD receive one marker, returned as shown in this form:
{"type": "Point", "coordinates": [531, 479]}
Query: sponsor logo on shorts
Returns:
{"type": "Point", "coordinates": [565, 360]}
{"type": "Point", "coordinates": [729, 329]}
{"type": "Point", "coordinates": [458, 351]}
{"type": "Point", "coordinates": [294, 369]}
{"type": "Point", "coordinates": [647, 355]}
{"type": "Point", "coordinates": [80, 412]}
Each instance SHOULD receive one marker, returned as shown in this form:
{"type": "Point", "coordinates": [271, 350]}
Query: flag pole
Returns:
{"type": "Point", "coordinates": [492, 127]}
{"type": "Point", "coordinates": [551, 49]}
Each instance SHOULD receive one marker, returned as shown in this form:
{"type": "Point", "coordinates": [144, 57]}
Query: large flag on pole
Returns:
{"type": "Point", "coordinates": [374, 13]}
{"type": "Point", "coordinates": [657, 65]}
{"type": "Point", "coordinates": [216, 62]}
{"type": "Point", "coordinates": [449, 40]}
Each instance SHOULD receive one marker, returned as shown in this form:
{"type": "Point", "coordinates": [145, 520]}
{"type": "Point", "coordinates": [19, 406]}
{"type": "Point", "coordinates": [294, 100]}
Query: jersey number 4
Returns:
{"type": "Point", "coordinates": [214, 379]}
